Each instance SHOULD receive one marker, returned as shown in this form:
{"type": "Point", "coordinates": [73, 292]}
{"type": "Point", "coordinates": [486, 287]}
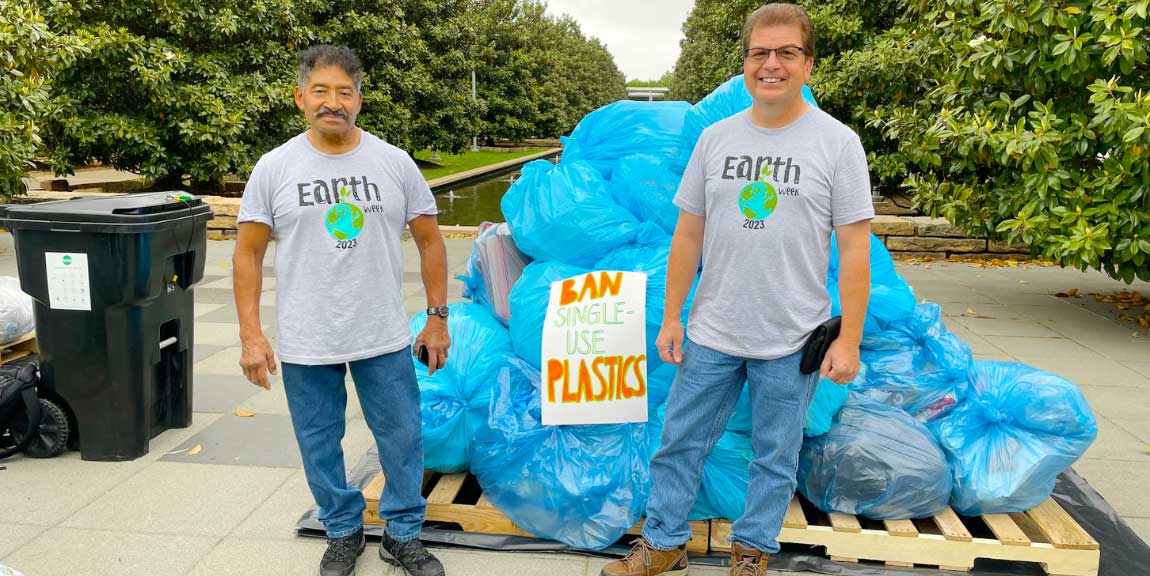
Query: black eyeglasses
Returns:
{"type": "Point", "coordinates": [785, 54]}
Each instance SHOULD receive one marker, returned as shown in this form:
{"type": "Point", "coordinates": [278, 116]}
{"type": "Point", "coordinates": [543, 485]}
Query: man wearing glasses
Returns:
{"type": "Point", "coordinates": [759, 199]}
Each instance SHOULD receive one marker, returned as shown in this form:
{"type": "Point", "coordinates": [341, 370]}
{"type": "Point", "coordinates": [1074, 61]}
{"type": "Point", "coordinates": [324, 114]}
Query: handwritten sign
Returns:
{"type": "Point", "coordinates": [594, 350]}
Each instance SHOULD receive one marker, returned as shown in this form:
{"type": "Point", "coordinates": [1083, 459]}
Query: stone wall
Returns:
{"type": "Point", "coordinates": [936, 238]}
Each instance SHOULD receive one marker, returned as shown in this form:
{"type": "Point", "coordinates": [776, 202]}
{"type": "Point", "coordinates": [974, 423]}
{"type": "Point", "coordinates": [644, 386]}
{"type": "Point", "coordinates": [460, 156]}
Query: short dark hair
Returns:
{"type": "Point", "coordinates": [781, 13]}
{"type": "Point", "coordinates": [328, 55]}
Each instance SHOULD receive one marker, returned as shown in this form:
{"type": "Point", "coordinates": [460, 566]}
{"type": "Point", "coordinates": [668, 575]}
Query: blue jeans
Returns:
{"type": "Point", "coordinates": [389, 396]}
{"type": "Point", "coordinates": [702, 399]}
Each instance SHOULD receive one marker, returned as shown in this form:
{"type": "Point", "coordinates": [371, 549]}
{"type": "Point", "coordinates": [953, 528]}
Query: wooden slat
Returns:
{"type": "Point", "coordinates": [844, 522]}
{"type": "Point", "coordinates": [951, 526]}
{"type": "Point", "coordinates": [447, 489]}
{"type": "Point", "coordinates": [484, 503]}
{"type": "Point", "coordinates": [795, 517]}
{"type": "Point", "coordinates": [1006, 530]}
{"type": "Point", "coordinates": [901, 528]}
{"type": "Point", "coordinates": [1060, 528]}
{"type": "Point", "coordinates": [374, 488]}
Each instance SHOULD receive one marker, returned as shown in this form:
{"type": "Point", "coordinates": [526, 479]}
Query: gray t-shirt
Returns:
{"type": "Point", "coordinates": [338, 222]}
{"type": "Point", "coordinates": [770, 199]}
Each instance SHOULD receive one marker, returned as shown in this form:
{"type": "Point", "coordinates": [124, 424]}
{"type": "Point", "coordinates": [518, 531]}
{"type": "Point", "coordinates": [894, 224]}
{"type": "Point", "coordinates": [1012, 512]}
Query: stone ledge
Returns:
{"type": "Point", "coordinates": [885, 225]}
{"type": "Point", "coordinates": [927, 226]}
{"type": "Point", "coordinates": [921, 244]}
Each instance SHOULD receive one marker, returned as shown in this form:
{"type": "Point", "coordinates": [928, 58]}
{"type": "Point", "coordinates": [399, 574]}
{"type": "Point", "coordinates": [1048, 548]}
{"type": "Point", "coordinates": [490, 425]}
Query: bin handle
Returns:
{"type": "Point", "coordinates": [167, 342]}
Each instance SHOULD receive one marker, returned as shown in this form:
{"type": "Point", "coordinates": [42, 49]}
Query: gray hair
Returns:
{"type": "Point", "coordinates": [328, 55]}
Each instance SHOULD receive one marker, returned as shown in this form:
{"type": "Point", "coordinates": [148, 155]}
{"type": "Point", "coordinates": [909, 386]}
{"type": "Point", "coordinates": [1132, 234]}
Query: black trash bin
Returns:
{"type": "Point", "coordinates": [113, 282]}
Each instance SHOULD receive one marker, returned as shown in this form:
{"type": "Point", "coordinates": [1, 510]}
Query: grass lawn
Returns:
{"type": "Point", "coordinates": [454, 163]}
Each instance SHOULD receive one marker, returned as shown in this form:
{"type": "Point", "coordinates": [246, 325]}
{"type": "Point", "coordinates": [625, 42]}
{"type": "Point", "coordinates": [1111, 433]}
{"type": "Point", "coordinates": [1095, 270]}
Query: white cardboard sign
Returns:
{"type": "Point", "coordinates": [594, 350]}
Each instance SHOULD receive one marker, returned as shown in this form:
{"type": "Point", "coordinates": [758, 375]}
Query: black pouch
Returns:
{"type": "Point", "coordinates": [818, 343]}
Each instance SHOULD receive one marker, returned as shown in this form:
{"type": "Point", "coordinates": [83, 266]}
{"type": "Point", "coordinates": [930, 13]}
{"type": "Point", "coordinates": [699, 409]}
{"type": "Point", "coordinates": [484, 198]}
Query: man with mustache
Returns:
{"type": "Point", "coordinates": [763, 237]}
{"type": "Point", "coordinates": [337, 200]}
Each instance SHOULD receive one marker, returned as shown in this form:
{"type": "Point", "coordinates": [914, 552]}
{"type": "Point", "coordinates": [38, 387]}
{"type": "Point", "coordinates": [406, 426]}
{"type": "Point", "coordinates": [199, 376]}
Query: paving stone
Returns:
{"type": "Point", "coordinates": [180, 498]}
{"type": "Point", "coordinates": [1120, 483]}
{"type": "Point", "coordinates": [1141, 527]}
{"type": "Point", "coordinates": [1043, 347]}
{"type": "Point", "coordinates": [1101, 373]}
{"type": "Point", "coordinates": [997, 327]}
{"type": "Point", "coordinates": [219, 393]}
{"type": "Point", "coordinates": [77, 552]}
{"type": "Point", "coordinates": [1115, 443]}
{"type": "Point", "coordinates": [13, 536]}
{"type": "Point", "coordinates": [217, 334]}
{"type": "Point", "coordinates": [1118, 403]}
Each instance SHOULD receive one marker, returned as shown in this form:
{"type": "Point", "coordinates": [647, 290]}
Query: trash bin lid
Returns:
{"type": "Point", "coordinates": [126, 213]}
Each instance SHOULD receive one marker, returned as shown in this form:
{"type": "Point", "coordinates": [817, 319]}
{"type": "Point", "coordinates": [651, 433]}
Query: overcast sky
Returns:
{"type": "Point", "coordinates": [643, 35]}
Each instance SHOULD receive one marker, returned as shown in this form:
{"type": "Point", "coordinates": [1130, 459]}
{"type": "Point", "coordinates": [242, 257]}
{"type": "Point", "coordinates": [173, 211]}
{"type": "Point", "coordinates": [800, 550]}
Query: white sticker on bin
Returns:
{"type": "Point", "coordinates": [68, 285]}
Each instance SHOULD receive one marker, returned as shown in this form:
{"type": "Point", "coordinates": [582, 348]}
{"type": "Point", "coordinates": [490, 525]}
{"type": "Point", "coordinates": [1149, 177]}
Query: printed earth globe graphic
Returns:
{"type": "Point", "coordinates": [758, 200]}
{"type": "Point", "coordinates": [344, 221]}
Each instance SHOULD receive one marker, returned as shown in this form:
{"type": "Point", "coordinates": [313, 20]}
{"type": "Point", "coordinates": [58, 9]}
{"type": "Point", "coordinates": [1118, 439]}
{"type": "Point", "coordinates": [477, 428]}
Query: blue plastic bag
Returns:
{"type": "Point", "coordinates": [876, 461]}
{"type": "Point", "coordinates": [645, 185]}
{"type": "Point", "coordinates": [916, 365]}
{"type": "Point", "coordinates": [891, 299]}
{"type": "Point", "coordinates": [648, 255]}
{"type": "Point", "coordinates": [528, 302]}
{"type": "Point", "coordinates": [730, 98]}
{"type": "Point", "coordinates": [581, 485]}
{"type": "Point", "coordinates": [623, 128]}
{"type": "Point", "coordinates": [1017, 431]}
{"type": "Point", "coordinates": [565, 212]}
{"type": "Point", "coordinates": [455, 399]}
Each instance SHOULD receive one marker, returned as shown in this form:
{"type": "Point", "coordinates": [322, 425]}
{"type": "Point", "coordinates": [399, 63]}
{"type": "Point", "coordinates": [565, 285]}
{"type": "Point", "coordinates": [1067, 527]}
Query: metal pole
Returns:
{"type": "Point", "coordinates": [474, 99]}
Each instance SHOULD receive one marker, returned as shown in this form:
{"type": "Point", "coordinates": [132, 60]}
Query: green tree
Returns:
{"type": "Point", "coordinates": [538, 76]}
{"type": "Point", "coordinates": [663, 81]}
{"type": "Point", "coordinates": [175, 87]}
{"type": "Point", "coordinates": [1037, 128]}
{"type": "Point", "coordinates": [31, 52]}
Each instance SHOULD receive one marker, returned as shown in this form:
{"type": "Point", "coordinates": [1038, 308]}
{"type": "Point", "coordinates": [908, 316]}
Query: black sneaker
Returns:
{"type": "Point", "coordinates": [410, 555]}
{"type": "Point", "coordinates": [339, 559]}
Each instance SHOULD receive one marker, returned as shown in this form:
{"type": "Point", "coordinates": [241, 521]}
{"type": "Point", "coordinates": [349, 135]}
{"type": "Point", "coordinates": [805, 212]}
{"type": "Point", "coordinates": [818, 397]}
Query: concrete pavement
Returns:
{"type": "Point", "coordinates": [231, 508]}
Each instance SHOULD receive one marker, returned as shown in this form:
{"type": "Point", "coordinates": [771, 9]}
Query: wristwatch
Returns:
{"type": "Point", "coordinates": [440, 311]}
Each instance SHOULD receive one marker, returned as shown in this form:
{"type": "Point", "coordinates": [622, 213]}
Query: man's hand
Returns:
{"type": "Point", "coordinates": [257, 360]}
{"type": "Point", "coordinates": [670, 342]}
{"type": "Point", "coordinates": [841, 363]}
{"type": "Point", "coordinates": [435, 337]}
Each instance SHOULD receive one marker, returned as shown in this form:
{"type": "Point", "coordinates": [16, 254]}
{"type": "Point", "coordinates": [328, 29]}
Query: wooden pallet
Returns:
{"type": "Point", "coordinates": [448, 501]}
{"type": "Point", "coordinates": [1045, 535]}
{"type": "Point", "coordinates": [18, 348]}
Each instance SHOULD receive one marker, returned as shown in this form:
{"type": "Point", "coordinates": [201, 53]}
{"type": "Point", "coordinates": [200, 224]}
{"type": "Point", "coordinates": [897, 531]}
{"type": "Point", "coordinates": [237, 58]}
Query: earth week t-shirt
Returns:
{"type": "Point", "coordinates": [338, 222]}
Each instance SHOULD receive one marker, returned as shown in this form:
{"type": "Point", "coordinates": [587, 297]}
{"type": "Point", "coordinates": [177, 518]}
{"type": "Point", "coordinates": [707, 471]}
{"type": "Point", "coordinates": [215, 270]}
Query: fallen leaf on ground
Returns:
{"type": "Point", "coordinates": [243, 413]}
{"type": "Point", "coordinates": [1071, 293]}
{"type": "Point", "coordinates": [970, 312]}
{"type": "Point", "coordinates": [196, 449]}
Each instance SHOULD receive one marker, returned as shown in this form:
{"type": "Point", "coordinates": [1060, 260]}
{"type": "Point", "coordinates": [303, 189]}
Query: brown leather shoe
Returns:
{"type": "Point", "coordinates": [643, 560]}
{"type": "Point", "coordinates": [746, 561]}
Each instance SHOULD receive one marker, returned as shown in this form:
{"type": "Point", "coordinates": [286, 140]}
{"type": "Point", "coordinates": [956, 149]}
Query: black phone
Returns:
{"type": "Point", "coordinates": [423, 355]}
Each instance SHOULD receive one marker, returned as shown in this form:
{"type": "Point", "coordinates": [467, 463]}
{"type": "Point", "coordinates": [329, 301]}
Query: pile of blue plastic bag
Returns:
{"type": "Point", "coordinates": [923, 426]}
